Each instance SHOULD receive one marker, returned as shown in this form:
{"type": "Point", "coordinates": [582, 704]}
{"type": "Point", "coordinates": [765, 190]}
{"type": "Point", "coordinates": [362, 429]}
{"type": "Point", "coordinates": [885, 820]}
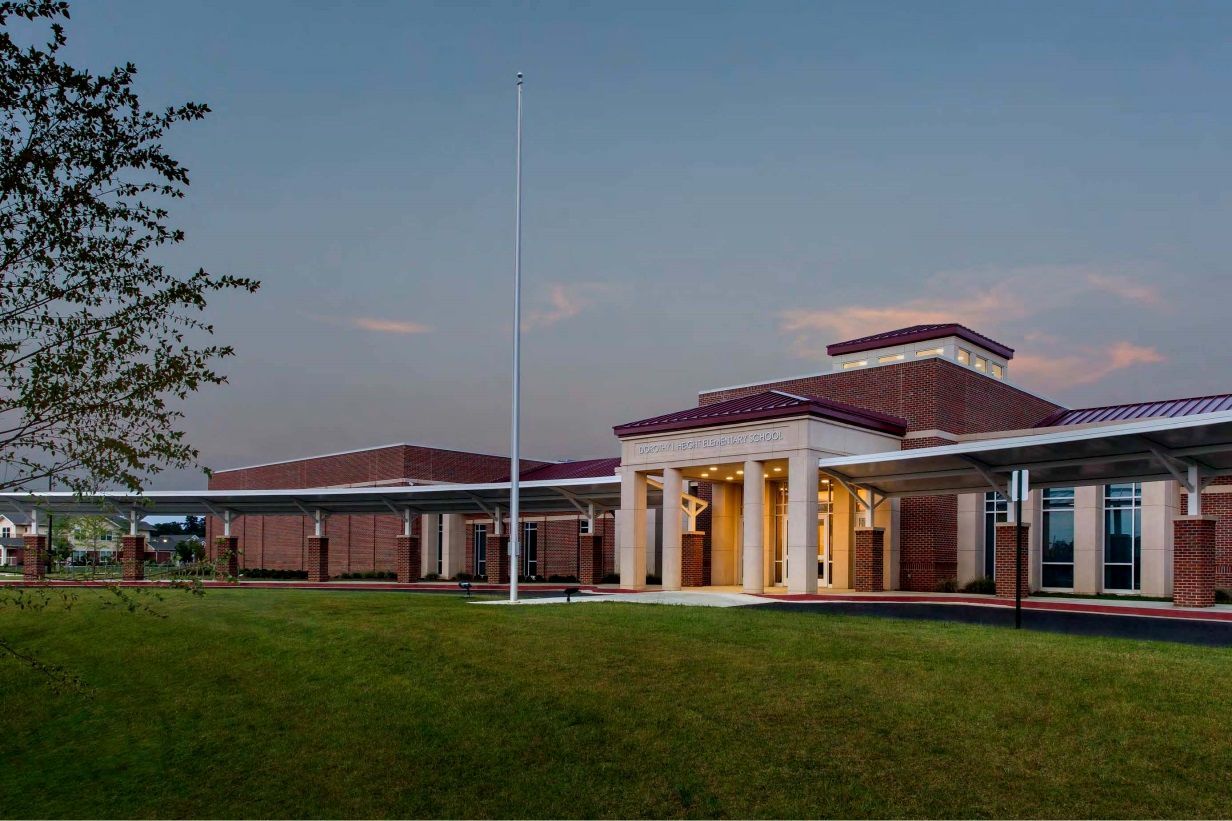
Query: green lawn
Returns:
{"type": "Point", "coordinates": [301, 703]}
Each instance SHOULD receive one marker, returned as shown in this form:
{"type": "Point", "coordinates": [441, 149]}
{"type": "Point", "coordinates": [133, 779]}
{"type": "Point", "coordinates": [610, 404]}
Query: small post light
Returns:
{"type": "Point", "coordinates": [570, 592]}
{"type": "Point", "coordinates": [466, 586]}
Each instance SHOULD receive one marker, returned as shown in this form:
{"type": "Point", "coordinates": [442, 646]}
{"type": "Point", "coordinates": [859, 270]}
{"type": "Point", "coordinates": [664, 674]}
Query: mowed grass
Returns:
{"type": "Point", "coordinates": [303, 703]}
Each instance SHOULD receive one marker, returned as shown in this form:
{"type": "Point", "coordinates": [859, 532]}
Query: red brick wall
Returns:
{"type": "Point", "coordinates": [694, 561]}
{"type": "Point", "coordinates": [560, 545]}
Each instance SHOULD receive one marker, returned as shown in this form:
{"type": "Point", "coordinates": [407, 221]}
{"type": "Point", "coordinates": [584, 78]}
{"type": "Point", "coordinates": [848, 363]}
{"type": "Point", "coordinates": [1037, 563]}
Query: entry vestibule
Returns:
{"type": "Point", "coordinates": [773, 520]}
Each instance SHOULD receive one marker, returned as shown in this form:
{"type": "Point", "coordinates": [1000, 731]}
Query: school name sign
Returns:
{"type": "Point", "coordinates": [726, 440]}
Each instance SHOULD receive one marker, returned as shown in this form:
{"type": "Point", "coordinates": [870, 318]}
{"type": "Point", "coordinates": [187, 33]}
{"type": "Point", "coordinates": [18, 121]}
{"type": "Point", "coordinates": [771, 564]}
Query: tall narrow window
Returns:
{"type": "Point", "coordinates": [996, 509]}
{"type": "Point", "coordinates": [479, 548]}
{"type": "Point", "coordinates": [1123, 537]}
{"type": "Point", "coordinates": [1058, 539]}
{"type": "Point", "coordinates": [963, 356]}
{"type": "Point", "coordinates": [530, 548]}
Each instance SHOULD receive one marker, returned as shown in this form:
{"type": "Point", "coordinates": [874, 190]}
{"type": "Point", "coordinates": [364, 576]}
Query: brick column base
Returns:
{"type": "Point", "coordinates": [497, 558]}
{"type": "Point", "coordinates": [590, 559]}
{"type": "Point", "coordinates": [407, 559]}
{"type": "Point", "coordinates": [1006, 548]}
{"type": "Point", "coordinates": [34, 561]}
{"type": "Point", "coordinates": [133, 566]}
{"type": "Point", "coordinates": [1193, 561]}
{"type": "Point", "coordinates": [318, 558]}
{"type": "Point", "coordinates": [693, 559]}
{"type": "Point", "coordinates": [227, 557]}
{"type": "Point", "coordinates": [868, 561]}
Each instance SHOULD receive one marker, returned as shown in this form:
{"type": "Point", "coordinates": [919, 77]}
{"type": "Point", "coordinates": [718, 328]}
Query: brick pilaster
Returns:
{"type": "Point", "coordinates": [227, 557]}
{"type": "Point", "coordinates": [693, 559]}
{"type": "Point", "coordinates": [590, 560]}
{"type": "Point", "coordinates": [318, 558]}
{"type": "Point", "coordinates": [133, 567]}
{"type": "Point", "coordinates": [868, 571]}
{"type": "Point", "coordinates": [497, 558]}
{"type": "Point", "coordinates": [1193, 561]}
{"type": "Point", "coordinates": [407, 559]}
{"type": "Point", "coordinates": [1006, 549]}
{"type": "Point", "coordinates": [34, 561]}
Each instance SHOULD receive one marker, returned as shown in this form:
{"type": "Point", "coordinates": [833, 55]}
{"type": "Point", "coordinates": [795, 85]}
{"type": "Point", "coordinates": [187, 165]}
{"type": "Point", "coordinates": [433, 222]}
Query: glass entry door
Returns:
{"type": "Point", "coordinates": [778, 567]}
{"type": "Point", "coordinates": [825, 559]}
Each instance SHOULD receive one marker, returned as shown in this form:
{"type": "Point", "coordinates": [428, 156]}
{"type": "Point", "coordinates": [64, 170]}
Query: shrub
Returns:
{"type": "Point", "coordinates": [558, 578]}
{"type": "Point", "coordinates": [610, 578]}
{"type": "Point", "coordinates": [464, 577]}
{"type": "Point", "coordinates": [981, 585]}
{"type": "Point", "coordinates": [1223, 596]}
{"type": "Point", "coordinates": [432, 577]}
{"type": "Point", "coordinates": [370, 574]}
{"type": "Point", "coordinates": [653, 579]}
{"type": "Point", "coordinates": [272, 573]}
{"type": "Point", "coordinates": [947, 586]}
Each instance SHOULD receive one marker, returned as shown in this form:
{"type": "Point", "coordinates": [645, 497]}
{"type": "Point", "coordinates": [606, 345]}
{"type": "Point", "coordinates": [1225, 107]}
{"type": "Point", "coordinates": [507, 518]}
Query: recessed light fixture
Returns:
{"type": "Point", "coordinates": [715, 469]}
{"type": "Point", "coordinates": [740, 473]}
{"type": "Point", "coordinates": [705, 475]}
{"type": "Point", "coordinates": [729, 478]}
{"type": "Point", "coordinates": [778, 470]}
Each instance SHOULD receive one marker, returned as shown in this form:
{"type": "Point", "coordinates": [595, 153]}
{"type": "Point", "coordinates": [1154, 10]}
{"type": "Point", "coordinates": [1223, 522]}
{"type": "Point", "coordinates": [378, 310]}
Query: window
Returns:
{"type": "Point", "coordinates": [981, 364]}
{"type": "Point", "coordinates": [890, 357]}
{"type": "Point", "coordinates": [530, 548]}
{"type": "Point", "coordinates": [857, 364]}
{"type": "Point", "coordinates": [1058, 539]}
{"type": "Point", "coordinates": [931, 352]}
{"type": "Point", "coordinates": [1123, 537]}
{"type": "Point", "coordinates": [998, 371]}
{"type": "Point", "coordinates": [584, 526]}
{"type": "Point", "coordinates": [479, 548]}
{"type": "Point", "coordinates": [996, 509]}
{"type": "Point", "coordinates": [440, 545]}
{"type": "Point", "coordinates": [6, 532]}
{"type": "Point", "coordinates": [964, 356]}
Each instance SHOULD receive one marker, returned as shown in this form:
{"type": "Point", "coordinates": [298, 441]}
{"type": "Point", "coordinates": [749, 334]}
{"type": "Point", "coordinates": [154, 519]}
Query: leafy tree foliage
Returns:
{"type": "Point", "coordinates": [98, 342]}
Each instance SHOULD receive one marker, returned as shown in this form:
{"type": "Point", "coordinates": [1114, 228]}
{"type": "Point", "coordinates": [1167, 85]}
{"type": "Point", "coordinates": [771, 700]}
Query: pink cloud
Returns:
{"type": "Point", "coordinates": [389, 326]}
{"type": "Point", "coordinates": [1083, 367]}
{"type": "Point", "coordinates": [565, 301]}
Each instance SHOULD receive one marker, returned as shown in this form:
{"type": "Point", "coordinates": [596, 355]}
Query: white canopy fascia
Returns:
{"type": "Point", "coordinates": [543, 496]}
{"type": "Point", "coordinates": [1167, 448]}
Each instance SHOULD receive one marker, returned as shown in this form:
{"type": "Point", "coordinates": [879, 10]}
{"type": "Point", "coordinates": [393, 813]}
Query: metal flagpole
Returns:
{"type": "Point", "coordinates": [515, 459]}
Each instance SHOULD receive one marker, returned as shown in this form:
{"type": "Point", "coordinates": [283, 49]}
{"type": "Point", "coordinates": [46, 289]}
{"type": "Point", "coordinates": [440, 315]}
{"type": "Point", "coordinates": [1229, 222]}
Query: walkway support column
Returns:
{"type": "Point", "coordinates": [406, 551]}
{"type": "Point", "coordinates": [802, 486]}
{"type": "Point", "coordinates": [754, 527]}
{"type": "Point", "coordinates": [868, 560]}
{"type": "Point", "coordinates": [1193, 560]}
{"type": "Point", "coordinates": [318, 550]}
{"type": "Point", "coordinates": [133, 546]}
{"type": "Point", "coordinates": [632, 529]}
{"type": "Point", "coordinates": [496, 549]}
{"type": "Point", "coordinates": [34, 562]}
{"type": "Point", "coordinates": [673, 490]}
{"type": "Point", "coordinates": [1007, 550]}
{"type": "Point", "coordinates": [227, 551]}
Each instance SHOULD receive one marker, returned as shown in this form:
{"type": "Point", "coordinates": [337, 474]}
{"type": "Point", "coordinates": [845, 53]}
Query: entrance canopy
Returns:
{"type": "Point", "coordinates": [1190, 449]}
{"type": "Point", "coordinates": [543, 496]}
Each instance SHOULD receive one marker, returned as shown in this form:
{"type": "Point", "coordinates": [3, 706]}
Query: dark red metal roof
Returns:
{"type": "Point", "coordinates": [765, 405]}
{"type": "Point", "coordinates": [1140, 410]}
{"type": "Point", "coordinates": [919, 333]}
{"type": "Point", "coordinates": [581, 469]}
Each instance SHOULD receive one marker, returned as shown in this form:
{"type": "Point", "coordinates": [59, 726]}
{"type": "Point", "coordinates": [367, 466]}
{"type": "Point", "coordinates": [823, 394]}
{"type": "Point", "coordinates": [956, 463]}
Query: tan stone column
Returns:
{"type": "Point", "coordinates": [453, 560]}
{"type": "Point", "coordinates": [428, 524]}
{"type": "Point", "coordinates": [673, 489]}
{"type": "Point", "coordinates": [802, 487]}
{"type": "Point", "coordinates": [632, 529]}
{"type": "Point", "coordinates": [754, 527]}
{"type": "Point", "coordinates": [1088, 539]}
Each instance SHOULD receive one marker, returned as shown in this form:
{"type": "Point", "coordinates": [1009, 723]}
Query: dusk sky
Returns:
{"type": "Point", "coordinates": [713, 192]}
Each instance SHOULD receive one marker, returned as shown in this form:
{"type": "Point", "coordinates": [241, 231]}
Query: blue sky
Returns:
{"type": "Point", "coordinates": [713, 192]}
